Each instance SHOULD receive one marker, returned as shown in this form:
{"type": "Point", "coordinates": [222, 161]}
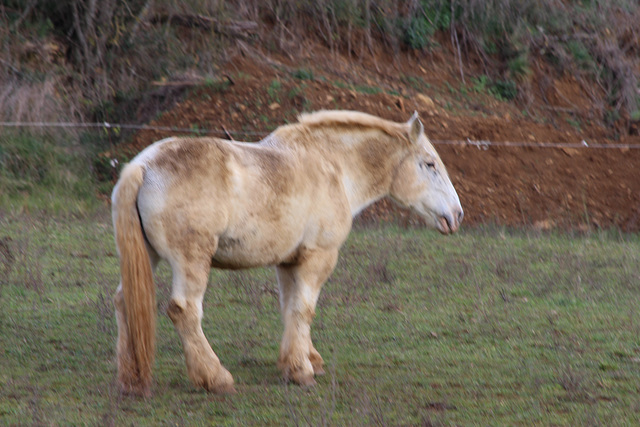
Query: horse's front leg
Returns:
{"type": "Point", "coordinates": [300, 286]}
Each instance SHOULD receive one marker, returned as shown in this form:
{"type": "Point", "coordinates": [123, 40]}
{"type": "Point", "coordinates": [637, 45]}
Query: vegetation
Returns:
{"type": "Point", "coordinates": [74, 59]}
{"type": "Point", "coordinates": [486, 327]}
{"type": "Point", "coordinates": [42, 172]}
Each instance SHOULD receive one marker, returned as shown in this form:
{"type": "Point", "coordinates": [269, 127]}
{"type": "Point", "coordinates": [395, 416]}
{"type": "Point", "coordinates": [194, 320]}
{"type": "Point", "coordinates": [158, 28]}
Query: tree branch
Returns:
{"type": "Point", "coordinates": [240, 29]}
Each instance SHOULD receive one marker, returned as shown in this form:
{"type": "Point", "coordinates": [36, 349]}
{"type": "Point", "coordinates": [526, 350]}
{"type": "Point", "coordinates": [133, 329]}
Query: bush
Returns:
{"type": "Point", "coordinates": [422, 21]}
{"type": "Point", "coordinates": [504, 89]}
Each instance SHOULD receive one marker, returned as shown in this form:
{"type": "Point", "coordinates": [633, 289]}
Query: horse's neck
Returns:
{"type": "Point", "coordinates": [362, 191]}
{"type": "Point", "coordinates": [367, 159]}
{"type": "Point", "coordinates": [368, 167]}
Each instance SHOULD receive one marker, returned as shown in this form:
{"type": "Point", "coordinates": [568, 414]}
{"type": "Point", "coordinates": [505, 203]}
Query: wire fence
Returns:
{"type": "Point", "coordinates": [480, 144]}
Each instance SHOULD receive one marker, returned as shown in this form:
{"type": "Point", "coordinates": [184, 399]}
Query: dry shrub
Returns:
{"type": "Point", "coordinates": [617, 52]}
{"type": "Point", "coordinates": [49, 100]}
{"type": "Point", "coordinates": [34, 85]}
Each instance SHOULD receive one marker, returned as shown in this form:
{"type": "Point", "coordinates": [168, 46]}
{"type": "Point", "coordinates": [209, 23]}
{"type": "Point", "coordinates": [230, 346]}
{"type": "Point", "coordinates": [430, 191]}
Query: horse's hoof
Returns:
{"type": "Point", "coordinates": [224, 383]}
{"type": "Point", "coordinates": [304, 380]}
{"type": "Point", "coordinates": [308, 382]}
{"type": "Point", "coordinates": [227, 389]}
{"type": "Point", "coordinates": [136, 389]}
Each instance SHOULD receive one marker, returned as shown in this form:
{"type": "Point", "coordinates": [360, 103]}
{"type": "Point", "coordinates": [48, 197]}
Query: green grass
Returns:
{"type": "Point", "coordinates": [48, 172]}
{"type": "Point", "coordinates": [486, 327]}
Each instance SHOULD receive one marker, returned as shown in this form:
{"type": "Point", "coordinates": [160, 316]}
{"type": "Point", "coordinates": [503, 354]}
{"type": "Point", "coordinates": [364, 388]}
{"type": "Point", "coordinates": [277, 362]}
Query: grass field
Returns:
{"type": "Point", "coordinates": [486, 327]}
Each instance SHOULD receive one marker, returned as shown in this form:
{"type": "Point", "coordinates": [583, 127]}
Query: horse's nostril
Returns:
{"type": "Point", "coordinates": [448, 224]}
{"type": "Point", "coordinates": [460, 216]}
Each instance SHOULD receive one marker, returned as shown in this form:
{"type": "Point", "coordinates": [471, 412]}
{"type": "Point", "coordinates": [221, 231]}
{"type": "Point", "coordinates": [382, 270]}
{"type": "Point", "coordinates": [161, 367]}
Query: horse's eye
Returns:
{"type": "Point", "coordinates": [429, 165]}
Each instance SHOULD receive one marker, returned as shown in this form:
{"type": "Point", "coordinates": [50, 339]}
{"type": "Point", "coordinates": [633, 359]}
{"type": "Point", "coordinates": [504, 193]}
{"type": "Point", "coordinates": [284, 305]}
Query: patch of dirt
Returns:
{"type": "Point", "coordinates": [511, 185]}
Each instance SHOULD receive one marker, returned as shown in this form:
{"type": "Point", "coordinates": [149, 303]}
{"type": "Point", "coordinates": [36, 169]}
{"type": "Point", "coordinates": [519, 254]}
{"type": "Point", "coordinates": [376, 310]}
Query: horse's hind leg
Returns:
{"type": "Point", "coordinates": [185, 310]}
{"type": "Point", "coordinates": [299, 289]}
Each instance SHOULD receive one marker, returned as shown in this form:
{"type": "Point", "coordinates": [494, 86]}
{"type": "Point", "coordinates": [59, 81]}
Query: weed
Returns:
{"type": "Point", "coordinates": [296, 91]}
{"type": "Point", "coordinates": [242, 76]}
{"type": "Point", "coordinates": [506, 90]}
{"type": "Point", "coordinates": [481, 83]}
{"type": "Point", "coordinates": [303, 74]}
{"type": "Point", "coordinates": [519, 66]}
{"type": "Point", "coordinates": [216, 85]}
{"type": "Point", "coordinates": [7, 257]}
{"type": "Point", "coordinates": [274, 90]}
{"type": "Point", "coordinates": [450, 88]}
{"type": "Point", "coordinates": [104, 310]}
{"type": "Point", "coordinates": [368, 90]}
{"type": "Point", "coordinates": [132, 43]}
{"type": "Point", "coordinates": [575, 123]}
{"type": "Point", "coordinates": [611, 116]}
{"type": "Point", "coordinates": [340, 84]}
{"type": "Point", "coordinates": [581, 55]}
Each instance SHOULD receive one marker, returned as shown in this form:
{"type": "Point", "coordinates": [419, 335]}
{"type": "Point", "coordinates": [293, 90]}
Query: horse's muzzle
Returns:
{"type": "Point", "coordinates": [449, 223]}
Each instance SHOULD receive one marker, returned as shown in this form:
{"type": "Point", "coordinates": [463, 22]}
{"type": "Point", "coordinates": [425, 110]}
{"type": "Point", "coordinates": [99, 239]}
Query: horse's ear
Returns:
{"type": "Point", "coordinates": [415, 128]}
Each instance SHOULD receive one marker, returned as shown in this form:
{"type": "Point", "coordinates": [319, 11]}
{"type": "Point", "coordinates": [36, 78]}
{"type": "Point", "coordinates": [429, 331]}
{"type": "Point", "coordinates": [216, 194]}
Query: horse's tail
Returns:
{"type": "Point", "coordinates": [136, 359]}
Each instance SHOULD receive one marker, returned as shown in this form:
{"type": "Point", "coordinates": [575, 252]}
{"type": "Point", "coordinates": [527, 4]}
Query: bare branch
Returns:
{"type": "Point", "coordinates": [240, 29]}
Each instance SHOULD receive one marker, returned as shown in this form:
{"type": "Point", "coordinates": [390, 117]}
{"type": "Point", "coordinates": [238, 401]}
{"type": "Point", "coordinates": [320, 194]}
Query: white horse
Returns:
{"type": "Point", "coordinates": [287, 201]}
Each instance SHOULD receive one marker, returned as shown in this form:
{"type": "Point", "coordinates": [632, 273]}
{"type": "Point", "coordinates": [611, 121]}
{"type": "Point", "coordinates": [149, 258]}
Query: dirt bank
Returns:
{"type": "Point", "coordinates": [526, 184]}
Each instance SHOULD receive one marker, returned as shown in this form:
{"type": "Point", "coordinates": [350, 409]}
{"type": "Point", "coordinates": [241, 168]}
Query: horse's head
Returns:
{"type": "Point", "coordinates": [422, 183]}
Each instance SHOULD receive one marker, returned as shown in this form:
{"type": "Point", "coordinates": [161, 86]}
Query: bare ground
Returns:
{"type": "Point", "coordinates": [576, 188]}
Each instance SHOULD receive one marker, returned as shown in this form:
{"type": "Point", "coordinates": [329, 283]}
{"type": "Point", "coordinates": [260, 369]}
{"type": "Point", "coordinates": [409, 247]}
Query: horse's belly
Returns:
{"type": "Point", "coordinates": [237, 252]}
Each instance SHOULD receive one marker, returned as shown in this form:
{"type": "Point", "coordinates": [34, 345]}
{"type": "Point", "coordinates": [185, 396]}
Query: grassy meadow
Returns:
{"type": "Point", "coordinates": [490, 326]}
{"type": "Point", "coordinates": [487, 327]}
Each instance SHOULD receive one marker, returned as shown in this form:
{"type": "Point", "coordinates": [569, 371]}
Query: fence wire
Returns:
{"type": "Point", "coordinates": [480, 144]}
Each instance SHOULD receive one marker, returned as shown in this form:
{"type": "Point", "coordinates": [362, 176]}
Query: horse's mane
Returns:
{"type": "Point", "coordinates": [352, 118]}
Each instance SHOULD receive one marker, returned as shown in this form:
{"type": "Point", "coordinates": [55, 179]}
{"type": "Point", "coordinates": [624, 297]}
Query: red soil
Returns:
{"type": "Point", "coordinates": [511, 185]}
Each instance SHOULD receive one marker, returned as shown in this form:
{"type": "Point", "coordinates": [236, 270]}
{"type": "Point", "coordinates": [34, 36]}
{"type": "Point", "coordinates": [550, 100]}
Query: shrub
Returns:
{"type": "Point", "coordinates": [581, 55]}
{"type": "Point", "coordinates": [504, 89]}
{"type": "Point", "coordinates": [303, 74]}
{"type": "Point", "coordinates": [422, 21]}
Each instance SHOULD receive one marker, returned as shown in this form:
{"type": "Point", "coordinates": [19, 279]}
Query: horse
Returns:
{"type": "Point", "coordinates": [287, 201]}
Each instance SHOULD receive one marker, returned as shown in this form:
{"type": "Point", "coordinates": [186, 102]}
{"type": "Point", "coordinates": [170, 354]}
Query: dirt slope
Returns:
{"type": "Point", "coordinates": [577, 188]}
